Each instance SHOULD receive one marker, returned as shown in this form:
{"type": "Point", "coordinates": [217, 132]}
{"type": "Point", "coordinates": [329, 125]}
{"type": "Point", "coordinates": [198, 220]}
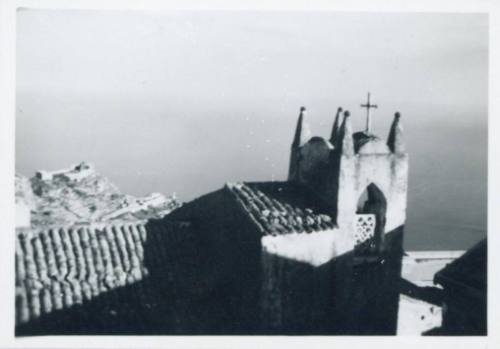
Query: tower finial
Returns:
{"type": "Point", "coordinates": [336, 126]}
{"type": "Point", "coordinates": [395, 139]}
{"type": "Point", "coordinates": [346, 141]}
{"type": "Point", "coordinates": [302, 132]}
{"type": "Point", "coordinates": [302, 135]}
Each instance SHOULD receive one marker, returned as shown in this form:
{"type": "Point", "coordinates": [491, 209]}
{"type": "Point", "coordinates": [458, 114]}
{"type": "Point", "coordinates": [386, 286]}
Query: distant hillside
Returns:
{"type": "Point", "coordinates": [79, 195]}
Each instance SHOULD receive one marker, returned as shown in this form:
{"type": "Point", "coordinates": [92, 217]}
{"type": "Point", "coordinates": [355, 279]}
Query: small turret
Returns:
{"type": "Point", "coordinates": [345, 136]}
{"type": "Point", "coordinates": [302, 132]}
{"type": "Point", "coordinates": [395, 139]}
{"type": "Point", "coordinates": [302, 135]}
{"type": "Point", "coordinates": [336, 127]}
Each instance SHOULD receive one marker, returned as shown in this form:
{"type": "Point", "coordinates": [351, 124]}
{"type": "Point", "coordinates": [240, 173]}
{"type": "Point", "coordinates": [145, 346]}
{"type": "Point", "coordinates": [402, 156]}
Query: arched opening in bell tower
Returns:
{"type": "Point", "coordinates": [370, 219]}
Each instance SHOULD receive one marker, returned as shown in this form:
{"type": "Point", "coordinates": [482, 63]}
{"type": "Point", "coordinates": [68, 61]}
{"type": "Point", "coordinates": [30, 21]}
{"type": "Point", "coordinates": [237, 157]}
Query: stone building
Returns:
{"type": "Point", "coordinates": [74, 173]}
{"type": "Point", "coordinates": [318, 253]}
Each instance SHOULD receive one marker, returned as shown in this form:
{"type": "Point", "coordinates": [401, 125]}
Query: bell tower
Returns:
{"type": "Point", "coordinates": [354, 172]}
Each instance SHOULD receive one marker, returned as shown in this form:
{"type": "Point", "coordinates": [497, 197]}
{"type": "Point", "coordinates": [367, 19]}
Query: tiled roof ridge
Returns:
{"type": "Point", "coordinates": [273, 217]}
{"type": "Point", "coordinates": [235, 185]}
{"type": "Point", "coordinates": [78, 225]}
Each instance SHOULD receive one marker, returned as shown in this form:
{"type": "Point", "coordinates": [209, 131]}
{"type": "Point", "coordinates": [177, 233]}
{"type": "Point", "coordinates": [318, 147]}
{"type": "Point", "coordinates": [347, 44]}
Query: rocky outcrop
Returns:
{"type": "Point", "coordinates": [79, 195]}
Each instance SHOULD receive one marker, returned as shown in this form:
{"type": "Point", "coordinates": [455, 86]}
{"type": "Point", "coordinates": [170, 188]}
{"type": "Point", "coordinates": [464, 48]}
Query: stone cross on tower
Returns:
{"type": "Point", "coordinates": [368, 106]}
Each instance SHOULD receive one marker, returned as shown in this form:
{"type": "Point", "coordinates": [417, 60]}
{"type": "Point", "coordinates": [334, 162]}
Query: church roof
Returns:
{"type": "Point", "coordinates": [63, 267]}
{"type": "Point", "coordinates": [58, 268]}
{"type": "Point", "coordinates": [279, 208]}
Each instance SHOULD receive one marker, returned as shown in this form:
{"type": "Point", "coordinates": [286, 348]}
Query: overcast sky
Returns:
{"type": "Point", "coordinates": [185, 101]}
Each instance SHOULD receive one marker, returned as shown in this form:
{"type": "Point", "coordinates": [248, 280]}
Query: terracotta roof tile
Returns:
{"type": "Point", "coordinates": [57, 268]}
{"type": "Point", "coordinates": [282, 207]}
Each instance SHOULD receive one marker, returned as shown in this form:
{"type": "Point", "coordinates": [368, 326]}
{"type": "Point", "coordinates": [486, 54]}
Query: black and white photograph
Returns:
{"type": "Point", "coordinates": [250, 173]}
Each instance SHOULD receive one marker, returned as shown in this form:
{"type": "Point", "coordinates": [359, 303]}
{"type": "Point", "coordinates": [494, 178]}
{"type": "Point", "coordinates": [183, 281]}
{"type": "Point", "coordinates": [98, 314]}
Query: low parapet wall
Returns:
{"type": "Point", "coordinates": [419, 267]}
{"type": "Point", "coordinates": [57, 268]}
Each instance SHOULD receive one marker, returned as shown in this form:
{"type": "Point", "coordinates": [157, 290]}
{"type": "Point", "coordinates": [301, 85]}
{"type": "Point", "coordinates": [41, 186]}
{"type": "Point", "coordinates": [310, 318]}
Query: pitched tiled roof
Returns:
{"type": "Point", "coordinates": [57, 268]}
{"type": "Point", "coordinates": [282, 207]}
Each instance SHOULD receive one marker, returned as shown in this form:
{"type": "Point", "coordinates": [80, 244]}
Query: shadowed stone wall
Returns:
{"type": "Point", "coordinates": [347, 295]}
